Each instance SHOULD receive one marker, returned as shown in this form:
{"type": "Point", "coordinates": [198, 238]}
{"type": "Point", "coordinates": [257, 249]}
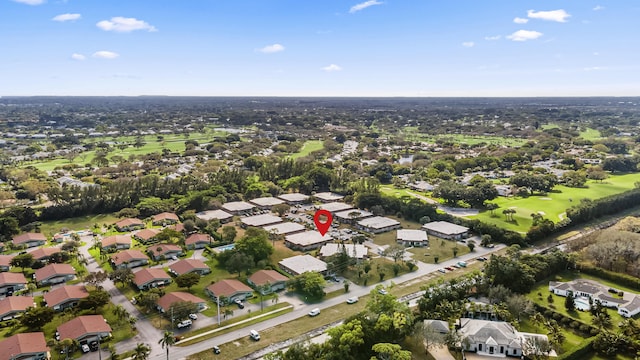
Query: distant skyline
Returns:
{"type": "Point", "coordinates": [406, 48]}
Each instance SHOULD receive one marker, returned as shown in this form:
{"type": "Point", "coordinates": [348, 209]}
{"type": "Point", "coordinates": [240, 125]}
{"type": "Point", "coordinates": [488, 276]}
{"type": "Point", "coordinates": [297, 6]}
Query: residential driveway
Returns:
{"type": "Point", "coordinates": [441, 353]}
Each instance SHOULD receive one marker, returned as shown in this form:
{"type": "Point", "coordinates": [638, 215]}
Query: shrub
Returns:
{"type": "Point", "coordinates": [574, 324]}
{"type": "Point", "coordinates": [584, 329]}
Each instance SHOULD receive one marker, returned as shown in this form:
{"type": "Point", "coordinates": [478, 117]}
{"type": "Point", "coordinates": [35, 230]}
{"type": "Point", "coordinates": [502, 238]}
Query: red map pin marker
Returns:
{"type": "Point", "coordinates": [322, 227]}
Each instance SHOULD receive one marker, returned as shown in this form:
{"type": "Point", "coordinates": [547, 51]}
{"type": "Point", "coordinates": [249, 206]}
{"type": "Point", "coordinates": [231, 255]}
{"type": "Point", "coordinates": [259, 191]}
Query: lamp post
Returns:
{"type": "Point", "coordinates": [218, 303]}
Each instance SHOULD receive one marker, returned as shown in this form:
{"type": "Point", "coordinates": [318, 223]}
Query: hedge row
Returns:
{"type": "Point", "coordinates": [622, 279]}
{"type": "Point", "coordinates": [580, 352]}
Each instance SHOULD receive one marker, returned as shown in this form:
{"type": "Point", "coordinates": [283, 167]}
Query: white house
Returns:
{"type": "Point", "coordinates": [627, 305]}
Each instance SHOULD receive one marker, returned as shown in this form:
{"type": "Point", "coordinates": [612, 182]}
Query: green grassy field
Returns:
{"type": "Point", "coordinates": [308, 147]}
{"type": "Point", "coordinates": [79, 223]}
{"type": "Point", "coordinates": [590, 134]}
{"type": "Point", "coordinates": [411, 133]}
{"type": "Point", "coordinates": [555, 203]}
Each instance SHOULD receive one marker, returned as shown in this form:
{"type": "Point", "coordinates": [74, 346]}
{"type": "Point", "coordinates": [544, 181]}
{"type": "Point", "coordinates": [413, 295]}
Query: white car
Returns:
{"type": "Point", "coordinates": [352, 300]}
{"type": "Point", "coordinates": [193, 316]}
{"type": "Point", "coordinates": [184, 324]}
{"type": "Point", "coordinates": [314, 312]}
{"type": "Point", "coordinates": [85, 348]}
{"type": "Point", "coordinates": [383, 291]}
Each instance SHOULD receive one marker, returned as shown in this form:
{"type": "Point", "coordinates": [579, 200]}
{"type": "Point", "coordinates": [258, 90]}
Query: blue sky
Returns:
{"type": "Point", "coordinates": [320, 48]}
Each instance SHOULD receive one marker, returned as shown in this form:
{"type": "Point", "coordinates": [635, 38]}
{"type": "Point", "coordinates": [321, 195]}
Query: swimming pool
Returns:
{"type": "Point", "coordinates": [220, 249]}
{"type": "Point", "coordinates": [582, 303]}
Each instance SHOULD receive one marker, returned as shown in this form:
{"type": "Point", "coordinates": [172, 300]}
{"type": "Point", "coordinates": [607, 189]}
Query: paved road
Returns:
{"type": "Point", "coordinates": [355, 290]}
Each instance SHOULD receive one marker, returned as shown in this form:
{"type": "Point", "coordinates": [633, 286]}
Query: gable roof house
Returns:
{"type": "Point", "coordinates": [197, 241]}
{"type": "Point", "coordinates": [5, 262]}
{"type": "Point", "coordinates": [186, 266]}
{"type": "Point", "coordinates": [85, 328]}
{"type": "Point", "coordinates": [146, 279]}
{"type": "Point", "coordinates": [116, 242]}
{"type": "Point", "coordinates": [129, 224]}
{"type": "Point", "coordinates": [13, 306]}
{"type": "Point", "coordinates": [128, 259]}
{"type": "Point", "coordinates": [267, 281]}
{"type": "Point", "coordinates": [54, 274]}
{"type": "Point", "coordinates": [29, 240]}
{"type": "Point", "coordinates": [165, 302]}
{"type": "Point", "coordinates": [64, 297]}
{"type": "Point", "coordinates": [11, 282]}
{"type": "Point", "coordinates": [44, 254]}
{"type": "Point", "coordinates": [24, 346]}
{"type": "Point", "coordinates": [164, 251]}
{"type": "Point", "coordinates": [146, 236]}
{"type": "Point", "coordinates": [165, 218]}
{"type": "Point", "coordinates": [230, 289]}
{"type": "Point", "coordinates": [628, 305]}
{"type": "Point", "coordinates": [408, 237]}
{"type": "Point", "coordinates": [446, 230]}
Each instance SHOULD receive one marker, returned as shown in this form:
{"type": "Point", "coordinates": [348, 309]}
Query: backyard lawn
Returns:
{"type": "Point", "coordinates": [441, 248]}
{"type": "Point", "coordinates": [553, 204]}
{"type": "Point", "coordinates": [79, 223]}
{"type": "Point", "coordinates": [308, 147]}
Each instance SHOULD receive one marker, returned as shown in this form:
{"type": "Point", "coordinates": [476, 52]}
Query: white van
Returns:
{"type": "Point", "coordinates": [314, 312]}
{"type": "Point", "coordinates": [254, 335]}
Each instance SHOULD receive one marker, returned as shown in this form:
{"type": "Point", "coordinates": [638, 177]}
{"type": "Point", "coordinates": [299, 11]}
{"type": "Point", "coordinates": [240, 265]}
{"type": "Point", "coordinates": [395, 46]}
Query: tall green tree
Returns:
{"type": "Point", "coordinates": [168, 340]}
{"type": "Point", "coordinates": [141, 352]}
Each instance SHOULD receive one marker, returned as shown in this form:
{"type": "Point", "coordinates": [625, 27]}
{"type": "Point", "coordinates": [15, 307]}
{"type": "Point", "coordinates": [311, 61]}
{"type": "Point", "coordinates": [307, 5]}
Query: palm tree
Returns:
{"type": "Point", "coordinates": [120, 312]}
{"type": "Point", "coordinates": [141, 352]}
{"type": "Point", "coordinates": [167, 341]}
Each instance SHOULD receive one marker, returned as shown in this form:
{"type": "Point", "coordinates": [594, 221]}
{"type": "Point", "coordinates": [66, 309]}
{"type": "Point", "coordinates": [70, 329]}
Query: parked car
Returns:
{"type": "Point", "coordinates": [254, 335]}
{"type": "Point", "coordinates": [449, 268]}
{"type": "Point", "coordinates": [482, 258]}
{"type": "Point", "coordinates": [442, 270]}
{"type": "Point", "coordinates": [314, 312]}
{"type": "Point", "coordinates": [239, 303]}
{"type": "Point", "coordinates": [94, 346]}
{"type": "Point", "coordinates": [193, 316]}
{"type": "Point", "coordinates": [352, 300]}
{"type": "Point", "coordinates": [383, 291]}
{"type": "Point", "coordinates": [85, 348]}
{"type": "Point", "coordinates": [184, 323]}
{"type": "Point", "coordinates": [216, 349]}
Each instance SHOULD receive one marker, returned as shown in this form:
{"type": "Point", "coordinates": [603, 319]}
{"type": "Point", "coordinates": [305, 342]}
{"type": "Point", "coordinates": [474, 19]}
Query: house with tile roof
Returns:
{"type": "Point", "coordinates": [146, 236]}
{"type": "Point", "coordinates": [85, 329]}
{"type": "Point", "coordinates": [165, 302]}
{"type": "Point", "coordinates": [5, 262]}
{"type": "Point", "coordinates": [129, 224]}
{"type": "Point", "coordinates": [54, 274]}
{"type": "Point", "coordinates": [65, 297]}
{"type": "Point", "coordinates": [11, 282]}
{"type": "Point", "coordinates": [267, 281]}
{"type": "Point", "coordinates": [44, 254]}
{"type": "Point", "coordinates": [116, 242]}
{"type": "Point", "coordinates": [29, 240]}
{"type": "Point", "coordinates": [148, 278]}
{"type": "Point", "coordinates": [129, 259]}
{"type": "Point", "coordinates": [14, 306]}
{"type": "Point", "coordinates": [164, 251]}
{"type": "Point", "coordinates": [165, 218]}
{"type": "Point", "coordinates": [186, 266]}
{"type": "Point", "coordinates": [197, 241]}
{"type": "Point", "coordinates": [230, 289]}
{"type": "Point", "coordinates": [24, 346]}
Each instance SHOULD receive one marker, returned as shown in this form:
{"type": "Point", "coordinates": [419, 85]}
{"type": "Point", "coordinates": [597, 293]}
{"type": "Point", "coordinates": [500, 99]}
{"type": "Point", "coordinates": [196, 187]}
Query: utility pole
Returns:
{"type": "Point", "coordinates": [99, 349]}
{"type": "Point", "coordinates": [218, 302]}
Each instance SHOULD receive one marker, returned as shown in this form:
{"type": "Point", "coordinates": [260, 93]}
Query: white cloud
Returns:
{"type": "Point", "coordinates": [364, 5]}
{"type": "Point", "coordinates": [332, 68]}
{"type": "Point", "coordinates": [552, 15]}
{"type": "Point", "coordinates": [270, 49]}
{"type": "Point", "coordinates": [493, 38]}
{"type": "Point", "coordinates": [468, 44]}
{"type": "Point", "coordinates": [598, 8]}
{"type": "Point", "coordinates": [79, 57]}
{"type": "Point", "coordinates": [520, 20]}
{"type": "Point", "coordinates": [524, 35]}
{"type": "Point", "coordinates": [594, 68]}
{"type": "Point", "coordinates": [123, 24]}
{"type": "Point", "coordinates": [105, 54]}
{"type": "Point", "coordinates": [30, 2]}
{"type": "Point", "coordinates": [66, 17]}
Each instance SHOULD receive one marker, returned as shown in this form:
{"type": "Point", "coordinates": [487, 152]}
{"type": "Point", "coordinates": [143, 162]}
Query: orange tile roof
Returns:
{"type": "Point", "coordinates": [172, 297]}
{"type": "Point", "coordinates": [196, 238]}
{"type": "Point", "coordinates": [187, 265]}
{"type": "Point", "coordinates": [15, 303]}
{"type": "Point", "coordinates": [127, 256]}
{"type": "Point", "coordinates": [144, 276]}
{"type": "Point", "coordinates": [25, 343]}
{"type": "Point", "coordinates": [64, 293]}
{"type": "Point", "coordinates": [5, 260]}
{"type": "Point", "coordinates": [7, 278]}
{"type": "Point", "coordinates": [165, 216]}
{"type": "Point", "coordinates": [83, 325]}
{"type": "Point", "coordinates": [128, 222]}
{"type": "Point", "coordinates": [52, 270]}
{"type": "Point", "coordinates": [146, 234]}
{"type": "Point", "coordinates": [41, 253]}
{"type": "Point", "coordinates": [263, 277]}
{"type": "Point", "coordinates": [115, 240]}
{"type": "Point", "coordinates": [26, 237]}
{"type": "Point", "coordinates": [228, 287]}
{"type": "Point", "coordinates": [164, 248]}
